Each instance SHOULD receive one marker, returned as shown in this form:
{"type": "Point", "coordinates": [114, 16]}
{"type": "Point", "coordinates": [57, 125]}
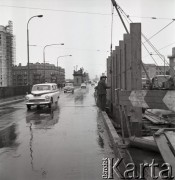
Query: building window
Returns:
{"type": "Point", "coordinates": [0, 40]}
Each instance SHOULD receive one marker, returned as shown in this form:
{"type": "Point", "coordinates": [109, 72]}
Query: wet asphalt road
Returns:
{"type": "Point", "coordinates": [65, 143]}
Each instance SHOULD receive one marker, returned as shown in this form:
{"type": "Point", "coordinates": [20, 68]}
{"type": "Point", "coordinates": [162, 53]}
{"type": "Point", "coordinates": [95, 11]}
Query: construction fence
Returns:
{"type": "Point", "coordinates": [124, 73]}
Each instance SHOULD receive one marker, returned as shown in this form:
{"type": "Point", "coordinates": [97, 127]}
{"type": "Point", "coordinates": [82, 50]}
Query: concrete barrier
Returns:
{"type": "Point", "coordinates": [6, 92]}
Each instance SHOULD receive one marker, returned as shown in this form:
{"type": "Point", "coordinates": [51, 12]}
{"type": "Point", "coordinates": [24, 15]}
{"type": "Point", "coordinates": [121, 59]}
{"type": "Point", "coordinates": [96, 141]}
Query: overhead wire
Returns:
{"type": "Point", "coordinates": [159, 31]}
{"type": "Point", "coordinates": [54, 10]}
{"type": "Point", "coordinates": [154, 48]}
{"type": "Point", "coordinates": [154, 18]}
{"type": "Point", "coordinates": [122, 12]}
{"type": "Point", "coordinates": [81, 12]}
{"type": "Point", "coordinates": [164, 47]}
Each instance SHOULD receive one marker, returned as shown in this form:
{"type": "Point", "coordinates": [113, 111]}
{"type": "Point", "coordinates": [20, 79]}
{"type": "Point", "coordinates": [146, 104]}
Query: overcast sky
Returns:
{"type": "Point", "coordinates": [84, 26]}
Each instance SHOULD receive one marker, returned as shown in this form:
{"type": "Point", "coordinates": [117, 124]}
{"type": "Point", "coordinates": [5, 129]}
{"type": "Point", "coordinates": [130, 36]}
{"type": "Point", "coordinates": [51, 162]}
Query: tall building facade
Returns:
{"type": "Point", "coordinates": [7, 57]}
{"type": "Point", "coordinates": [52, 74]}
{"type": "Point", "coordinates": [80, 77]}
{"type": "Point", "coordinates": [153, 70]}
{"type": "Point", "coordinates": [172, 62]}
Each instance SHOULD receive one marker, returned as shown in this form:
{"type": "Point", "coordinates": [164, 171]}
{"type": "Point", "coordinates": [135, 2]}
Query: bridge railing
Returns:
{"type": "Point", "coordinates": [6, 92]}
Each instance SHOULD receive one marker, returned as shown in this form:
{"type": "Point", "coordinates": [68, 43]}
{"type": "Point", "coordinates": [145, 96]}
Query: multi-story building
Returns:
{"type": "Point", "coordinates": [7, 57]}
{"type": "Point", "coordinates": [172, 62]}
{"type": "Point", "coordinates": [153, 70]}
{"type": "Point", "coordinates": [52, 74]}
{"type": "Point", "coordinates": [80, 77]}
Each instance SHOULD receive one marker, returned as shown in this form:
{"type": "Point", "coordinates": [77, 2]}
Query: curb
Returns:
{"type": "Point", "coordinates": [120, 149]}
{"type": "Point", "coordinates": [11, 102]}
{"type": "Point", "coordinates": [114, 137]}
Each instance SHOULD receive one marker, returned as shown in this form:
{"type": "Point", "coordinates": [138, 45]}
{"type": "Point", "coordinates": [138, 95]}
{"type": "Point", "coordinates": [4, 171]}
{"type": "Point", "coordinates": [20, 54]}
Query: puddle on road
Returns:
{"type": "Point", "coordinates": [44, 118]}
{"type": "Point", "coordinates": [67, 143]}
{"type": "Point", "coordinates": [8, 136]}
{"type": "Point", "coordinates": [7, 110]}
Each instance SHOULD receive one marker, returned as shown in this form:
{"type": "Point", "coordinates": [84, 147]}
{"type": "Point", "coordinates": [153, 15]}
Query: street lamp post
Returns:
{"type": "Point", "coordinates": [57, 63]}
{"type": "Point", "coordinates": [163, 60]}
{"type": "Point", "coordinates": [44, 55]}
{"type": "Point", "coordinates": [60, 57]}
{"type": "Point", "coordinates": [28, 58]}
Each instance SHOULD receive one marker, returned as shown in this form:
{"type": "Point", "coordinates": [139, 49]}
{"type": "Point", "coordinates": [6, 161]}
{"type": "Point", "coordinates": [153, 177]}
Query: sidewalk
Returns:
{"type": "Point", "coordinates": [10, 100]}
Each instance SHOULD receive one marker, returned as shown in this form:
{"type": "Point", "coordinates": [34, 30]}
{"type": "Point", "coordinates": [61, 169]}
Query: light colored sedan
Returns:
{"type": "Point", "coordinates": [69, 87]}
{"type": "Point", "coordinates": [42, 94]}
{"type": "Point", "coordinates": [83, 86]}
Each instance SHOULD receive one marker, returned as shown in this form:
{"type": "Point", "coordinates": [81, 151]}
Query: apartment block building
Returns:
{"type": "Point", "coordinates": [52, 74]}
{"type": "Point", "coordinates": [153, 70]}
{"type": "Point", "coordinates": [7, 55]}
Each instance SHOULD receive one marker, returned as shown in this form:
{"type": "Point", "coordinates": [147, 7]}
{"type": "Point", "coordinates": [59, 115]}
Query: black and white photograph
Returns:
{"type": "Point", "coordinates": [87, 89]}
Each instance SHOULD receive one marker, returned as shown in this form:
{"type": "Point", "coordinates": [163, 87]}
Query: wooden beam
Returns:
{"type": "Point", "coordinates": [154, 119]}
{"type": "Point", "coordinates": [165, 151]}
{"type": "Point", "coordinates": [153, 99]}
{"type": "Point", "coordinates": [171, 139]}
{"type": "Point", "coordinates": [136, 116]}
{"type": "Point", "coordinates": [143, 143]}
{"type": "Point", "coordinates": [127, 47]}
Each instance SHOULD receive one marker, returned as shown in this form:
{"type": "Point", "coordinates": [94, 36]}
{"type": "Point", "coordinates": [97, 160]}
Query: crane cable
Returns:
{"type": "Point", "coordinates": [159, 31]}
{"type": "Point", "coordinates": [147, 40]}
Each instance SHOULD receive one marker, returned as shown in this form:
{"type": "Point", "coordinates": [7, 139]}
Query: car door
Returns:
{"type": "Point", "coordinates": [55, 93]}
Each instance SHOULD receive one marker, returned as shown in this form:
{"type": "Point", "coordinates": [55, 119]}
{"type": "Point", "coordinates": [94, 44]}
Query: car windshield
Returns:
{"type": "Point", "coordinates": [68, 84]}
{"type": "Point", "coordinates": [40, 87]}
{"type": "Point", "coordinates": [163, 78]}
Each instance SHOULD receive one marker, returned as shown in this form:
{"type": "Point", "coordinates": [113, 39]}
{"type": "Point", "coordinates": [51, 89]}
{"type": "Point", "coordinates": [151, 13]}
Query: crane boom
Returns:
{"type": "Point", "coordinates": [116, 7]}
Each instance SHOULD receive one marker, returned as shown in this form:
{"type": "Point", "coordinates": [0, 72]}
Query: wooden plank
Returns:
{"type": "Point", "coordinates": [115, 69]}
{"type": "Point", "coordinates": [135, 29]}
{"type": "Point", "coordinates": [171, 139]}
{"type": "Point", "coordinates": [165, 151]}
{"type": "Point", "coordinates": [114, 112]}
{"type": "Point", "coordinates": [127, 46]}
{"type": "Point", "coordinates": [118, 68]}
{"type": "Point", "coordinates": [135, 33]}
{"type": "Point", "coordinates": [153, 99]}
{"type": "Point", "coordinates": [112, 76]}
{"type": "Point", "coordinates": [154, 119]}
{"type": "Point", "coordinates": [166, 129]}
{"type": "Point", "coordinates": [142, 143]}
{"type": "Point", "coordinates": [109, 79]}
{"type": "Point", "coordinates": [151, 138]}
{"type": "Point", "coordinates": [116, 59]}
{"type": "Point", "coordinates": [121, 43]}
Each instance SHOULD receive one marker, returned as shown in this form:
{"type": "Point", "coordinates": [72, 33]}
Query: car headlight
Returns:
{"type": "Point", "coordinates": [27, 98]}
{"type": "Point", "coordinates": [47, 98]}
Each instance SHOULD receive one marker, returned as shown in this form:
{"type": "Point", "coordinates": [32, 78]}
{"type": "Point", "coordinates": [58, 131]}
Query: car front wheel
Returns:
{"type": "Point", "coordinates": [28, 106]}
{"type": "Point", "coordinates": [50, 104]}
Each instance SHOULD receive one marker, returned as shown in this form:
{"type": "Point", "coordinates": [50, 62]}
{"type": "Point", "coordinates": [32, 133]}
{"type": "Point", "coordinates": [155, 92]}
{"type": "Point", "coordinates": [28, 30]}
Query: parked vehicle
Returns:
{"type": "Point", "coordinates": [146, 84]}
{"type": "Point", "coordinates": [161, 81]}
{"type": "Point", "coordinates": [42, 94]}
{"type": "Point", "coordinates": [69, 87]}
{"type": "Point", "coordinates": [92, 83]}
{"type": "Point", "coordinates": [83, 86]}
